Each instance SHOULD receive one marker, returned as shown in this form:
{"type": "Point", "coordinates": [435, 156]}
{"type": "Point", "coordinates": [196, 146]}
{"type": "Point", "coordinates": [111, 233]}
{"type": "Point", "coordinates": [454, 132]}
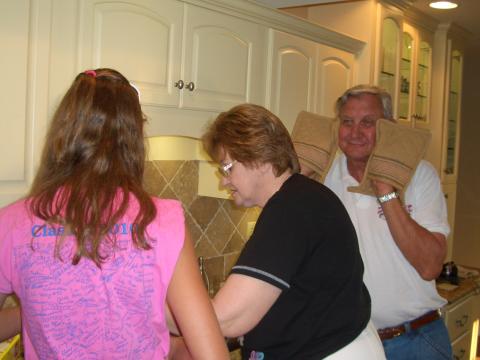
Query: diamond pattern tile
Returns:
{"type": "Point", "coordinates": [217, 226]}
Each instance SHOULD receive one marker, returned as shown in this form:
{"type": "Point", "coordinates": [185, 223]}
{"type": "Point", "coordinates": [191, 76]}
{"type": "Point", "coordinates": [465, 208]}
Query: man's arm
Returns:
{"type": "Point", "coordinates": [425, 250]}
{"type": "Point", "coordinates": [10, 320]}
{"type": "Point", "coordinates": [242, 302]}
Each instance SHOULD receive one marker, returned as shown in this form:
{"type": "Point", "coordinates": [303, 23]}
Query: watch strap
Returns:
{"type": "Point", "coordinates": [387, 197]}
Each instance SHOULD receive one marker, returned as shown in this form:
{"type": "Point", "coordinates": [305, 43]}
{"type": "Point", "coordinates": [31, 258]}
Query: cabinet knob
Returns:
{"type": "Point", "coordinates": [461, 353]}
{"type": "Point", "coordinates": [179, 84]}
{"type": "Point", "coordinates": [190, 86]}
{"type": "Point", "coordinates": [462, 322]}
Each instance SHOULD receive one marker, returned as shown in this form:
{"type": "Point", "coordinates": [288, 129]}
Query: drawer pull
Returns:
{"type": "Point", "coordinates": [460, 355]}
{"type": "Point", "coordinates": [462, 322]}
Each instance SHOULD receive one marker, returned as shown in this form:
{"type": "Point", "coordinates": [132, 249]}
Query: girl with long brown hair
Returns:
{"type": "Point", "coordinates": [92, 257]}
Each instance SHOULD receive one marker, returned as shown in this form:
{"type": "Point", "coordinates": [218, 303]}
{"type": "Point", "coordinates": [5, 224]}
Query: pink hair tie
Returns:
{"type": "Point", "coordinates": [90, 72]}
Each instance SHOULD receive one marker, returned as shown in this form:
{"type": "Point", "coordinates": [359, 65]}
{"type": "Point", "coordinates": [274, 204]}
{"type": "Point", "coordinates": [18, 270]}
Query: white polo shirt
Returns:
{"type": "Point", "coordinates": [398, 292]}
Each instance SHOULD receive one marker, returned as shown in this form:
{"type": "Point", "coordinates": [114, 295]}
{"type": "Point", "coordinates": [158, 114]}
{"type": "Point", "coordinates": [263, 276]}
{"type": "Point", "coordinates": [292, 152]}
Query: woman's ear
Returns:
{"type": "Point", "coordinates": [266, 168]}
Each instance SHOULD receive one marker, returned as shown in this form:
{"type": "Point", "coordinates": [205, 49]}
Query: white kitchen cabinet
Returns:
{"type": "Point", "coordinates": [335, 74]}
{"type": "Point", "coordinates": [13, 97]}
{"type": "Point", "coordinates": [452, 116]}
{"type": "Point", "coordinates": [305, 75]}
{"type": "Point", "coordinates": [24, 25]}
{"type": "Point", "coordinates": [446, 104]}
{"type": "Point", "coordinates": [178, 54]}
{"type": "Point", "coordinates": [218, 48]}
{"type": "Point", "coordinates": [404, 65]}
{"type": "Point", "coordinates": [461, 346]}
{"type": "Point", "coordinates": [461, 319]}
{"type": "Point", "coordinates": [415, 77]}
{"type": "Point", "coordinates": [388, 51]}
{"type": "Point", "coordinates": [292, 75]}
{"type": "Point", "coordinates": [224, 58]}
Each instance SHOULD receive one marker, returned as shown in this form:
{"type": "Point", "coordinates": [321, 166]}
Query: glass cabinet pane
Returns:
{"type": "Point", "coordinates": [405, 76]}
{"type": "Point", "coordinates": [388, 71]}
{"type": "Point", "coordinates": [453, 110]}
{"type": "Point", "coordinates": [423, 81]}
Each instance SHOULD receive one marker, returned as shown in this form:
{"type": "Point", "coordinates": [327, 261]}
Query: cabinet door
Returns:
{"type": "Point", "coordinates": [415, 75]}
{"type": "Point", "coordinates": [452, 121]}
{"type": "Point", "coordinates": [15, 125]}
{"type": "Point", "coordinates": [459, 319]}
{"type": "Point", "coordinates": [335, 72]}
{"type": "Point", "coordinates": [140, 38]}
{"type": "Point", "coordinates": [423, 76]}
{"type": "Point", "coordinates": [407, 78]}
{"type": "Point", "coordinates": [461, 347]}
{"type": "Point", "coordinates": [292, 72]}
{"type": "Point", "coordinates": [223, 62]}
{"type": "Point", "coordinates": [388, 73]}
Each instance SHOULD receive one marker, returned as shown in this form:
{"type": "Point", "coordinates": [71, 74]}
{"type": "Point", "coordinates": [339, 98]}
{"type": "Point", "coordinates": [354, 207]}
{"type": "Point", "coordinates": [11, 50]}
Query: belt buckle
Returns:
{"type": "Point", "coordinates": [397, 334]}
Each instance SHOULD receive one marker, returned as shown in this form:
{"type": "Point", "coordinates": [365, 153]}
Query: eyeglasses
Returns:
{"type": "Point", "coordinates": [226, 169]}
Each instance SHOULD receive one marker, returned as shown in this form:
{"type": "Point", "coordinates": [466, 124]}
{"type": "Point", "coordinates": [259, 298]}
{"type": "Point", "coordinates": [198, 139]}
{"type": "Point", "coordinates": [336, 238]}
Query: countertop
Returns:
{"type": "Point", "coordinates": [465, 287]}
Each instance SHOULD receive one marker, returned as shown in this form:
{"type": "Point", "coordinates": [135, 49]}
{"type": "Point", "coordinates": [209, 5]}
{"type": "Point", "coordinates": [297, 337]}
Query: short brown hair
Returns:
{"type": "Point", "coordinates": [252, 135]}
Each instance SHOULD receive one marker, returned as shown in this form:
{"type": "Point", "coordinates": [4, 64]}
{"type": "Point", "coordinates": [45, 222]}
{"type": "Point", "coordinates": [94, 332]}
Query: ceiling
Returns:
{"type": "Point", "coordinates": [466, 15]}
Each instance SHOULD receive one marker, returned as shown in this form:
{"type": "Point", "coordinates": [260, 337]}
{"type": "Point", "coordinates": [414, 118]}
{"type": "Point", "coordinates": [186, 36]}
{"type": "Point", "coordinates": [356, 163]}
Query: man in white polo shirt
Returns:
{"type": "Point", "coordinates": [402, 243]}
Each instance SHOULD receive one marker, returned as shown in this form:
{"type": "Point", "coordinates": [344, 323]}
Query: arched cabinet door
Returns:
{"type": "Point", "coordinates": [292, 76]}
{"type": "Point", "coordinates": [415, 77]}
{"type": "Point", "coordinates": [388, 74]}
{"type": "Point", "coordinates": [335, 74]}
{"type": "Point", "coordinates": [224, 60]}
{"type": "Point", "coordinates": [141, 38]}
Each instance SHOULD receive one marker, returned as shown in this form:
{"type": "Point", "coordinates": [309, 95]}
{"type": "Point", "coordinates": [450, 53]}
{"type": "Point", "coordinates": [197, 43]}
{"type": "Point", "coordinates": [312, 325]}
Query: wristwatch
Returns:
{"type": "Point", "coordinates": [387, 197]}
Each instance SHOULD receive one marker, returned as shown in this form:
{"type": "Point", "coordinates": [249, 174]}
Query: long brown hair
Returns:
{"type": "Point", "coordinates": [93, 162]}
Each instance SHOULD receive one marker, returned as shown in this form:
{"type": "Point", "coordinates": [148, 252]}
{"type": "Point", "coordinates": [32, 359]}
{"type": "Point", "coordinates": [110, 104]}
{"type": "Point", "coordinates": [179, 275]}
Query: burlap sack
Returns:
{"type": "Point", "coordinates": [397, 153]}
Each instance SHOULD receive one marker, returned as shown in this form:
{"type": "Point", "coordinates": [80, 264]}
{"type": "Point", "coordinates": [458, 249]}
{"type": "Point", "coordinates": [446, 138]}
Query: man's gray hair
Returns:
{"type": "Point", "coordinates": [381, 94]}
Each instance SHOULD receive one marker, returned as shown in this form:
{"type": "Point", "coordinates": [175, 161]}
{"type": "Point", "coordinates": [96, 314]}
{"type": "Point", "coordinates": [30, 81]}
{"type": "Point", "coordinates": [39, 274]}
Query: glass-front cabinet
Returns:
{"type": "Point", "coordinates": [389, 56]}
{"type": "Point", "coordinates": [453, 114]}
{"type": "Point", "coordinates": [423, 84]}
{"type": "Point", "coordinates": [406, 73]}
{"type": "Point", "coordinates": [415, 75]}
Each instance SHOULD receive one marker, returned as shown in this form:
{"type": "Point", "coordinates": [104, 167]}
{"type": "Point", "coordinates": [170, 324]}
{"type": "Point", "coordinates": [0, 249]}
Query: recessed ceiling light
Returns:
{"type": "Point", "coordinates": [444, 5]}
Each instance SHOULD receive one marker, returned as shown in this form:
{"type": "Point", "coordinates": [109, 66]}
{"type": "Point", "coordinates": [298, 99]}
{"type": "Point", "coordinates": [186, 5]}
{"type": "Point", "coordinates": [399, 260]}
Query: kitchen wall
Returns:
{"type": "Point", "coordinates": [353, 19]}
{"type": "Point", "coordinates": [466, 248]}
{"type": "Point", "coordinates": [218, 228]}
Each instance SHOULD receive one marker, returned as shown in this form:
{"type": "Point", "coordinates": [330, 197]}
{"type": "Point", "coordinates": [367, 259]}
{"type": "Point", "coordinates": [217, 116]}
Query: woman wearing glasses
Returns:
{"type": "Point", "coordinates": [296, 291]}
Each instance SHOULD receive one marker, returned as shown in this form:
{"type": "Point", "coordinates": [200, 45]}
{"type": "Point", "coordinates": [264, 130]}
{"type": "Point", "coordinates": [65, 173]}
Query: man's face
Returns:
{"type": "Point", "coordinates": [358, 119]}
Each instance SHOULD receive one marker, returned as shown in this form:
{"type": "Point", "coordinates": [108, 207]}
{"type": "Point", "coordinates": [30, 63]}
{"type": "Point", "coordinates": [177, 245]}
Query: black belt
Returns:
{"type": "Point", "coordinates": [394, 331]}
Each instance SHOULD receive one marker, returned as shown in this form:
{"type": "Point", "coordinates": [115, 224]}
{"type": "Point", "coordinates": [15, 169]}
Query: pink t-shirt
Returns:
{"type": "Point", "coordinates": [81, 311]}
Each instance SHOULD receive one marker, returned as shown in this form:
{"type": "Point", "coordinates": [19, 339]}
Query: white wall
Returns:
{"type": "Point", "coordinates": [466, 249]}
{"type": "Point", "coordinates": [356, 19]}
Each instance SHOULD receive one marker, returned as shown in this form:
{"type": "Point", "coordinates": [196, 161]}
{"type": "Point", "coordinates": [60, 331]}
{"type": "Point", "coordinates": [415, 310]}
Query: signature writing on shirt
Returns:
{"type": "Point", "coordinates": [408, 207]}
{"type": "Point", "coordinates": [52, 230]}
{"type": "Point", "coordinates": [91, 311]}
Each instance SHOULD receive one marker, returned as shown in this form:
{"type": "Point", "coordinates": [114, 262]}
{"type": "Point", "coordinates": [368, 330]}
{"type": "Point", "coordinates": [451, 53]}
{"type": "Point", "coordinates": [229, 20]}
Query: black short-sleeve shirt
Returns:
{"type": "Point", "coordinates": [305, 244]}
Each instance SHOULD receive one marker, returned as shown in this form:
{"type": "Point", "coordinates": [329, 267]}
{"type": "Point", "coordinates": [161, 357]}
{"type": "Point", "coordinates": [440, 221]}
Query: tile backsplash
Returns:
{"type": "Point", "coordinates": [218, 228]}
